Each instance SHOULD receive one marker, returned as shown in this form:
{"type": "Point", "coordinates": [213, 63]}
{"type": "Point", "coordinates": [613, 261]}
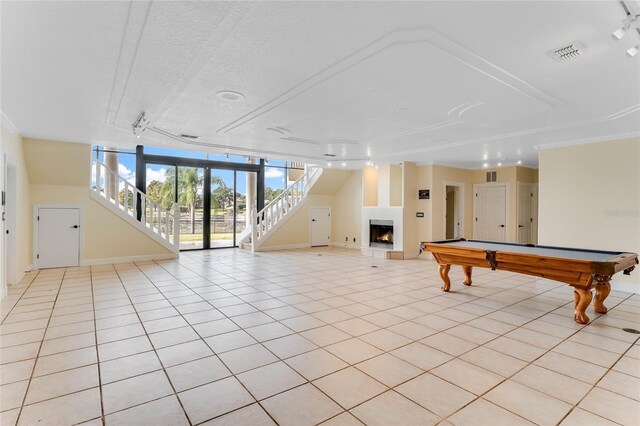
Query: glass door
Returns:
{"type": "Point", "coordinates": [222, 208]}
{"type": "Point", "coordinates": [215, 204]}
{"type": "Point", "coordinates": [190, 198]}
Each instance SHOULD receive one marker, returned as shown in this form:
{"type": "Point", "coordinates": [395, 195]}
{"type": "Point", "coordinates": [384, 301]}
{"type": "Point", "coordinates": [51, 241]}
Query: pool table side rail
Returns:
{"type": "Point", "coordinates": [569, 271]}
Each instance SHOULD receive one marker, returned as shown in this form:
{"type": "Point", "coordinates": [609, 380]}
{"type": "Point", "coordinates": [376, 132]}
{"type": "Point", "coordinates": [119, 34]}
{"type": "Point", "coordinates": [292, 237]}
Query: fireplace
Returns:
{"type": "Point", "coordinates": [381, 233]}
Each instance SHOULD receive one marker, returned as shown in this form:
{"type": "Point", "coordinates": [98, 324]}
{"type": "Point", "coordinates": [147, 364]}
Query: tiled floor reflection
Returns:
{"type": "Point", "coordinates": [306, 337]}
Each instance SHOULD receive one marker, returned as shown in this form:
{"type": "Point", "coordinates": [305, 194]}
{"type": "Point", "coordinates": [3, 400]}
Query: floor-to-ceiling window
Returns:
{"type": "Point", "coordinates": [215, 193]}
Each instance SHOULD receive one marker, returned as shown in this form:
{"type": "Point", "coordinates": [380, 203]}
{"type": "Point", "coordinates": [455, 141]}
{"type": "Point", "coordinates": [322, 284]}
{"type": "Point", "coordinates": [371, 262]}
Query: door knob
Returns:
{"type": "Point", "coordinates": [520, 226]}
{"type": "Point", "coordinates": [313, 220]}
{"type": "Point", "coordinates": [74, 227]}
{"type": "Point", "coordinates": [500, 226]}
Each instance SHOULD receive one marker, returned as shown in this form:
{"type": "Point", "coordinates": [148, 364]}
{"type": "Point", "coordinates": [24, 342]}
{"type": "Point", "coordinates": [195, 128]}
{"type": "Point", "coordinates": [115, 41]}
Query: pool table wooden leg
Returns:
{"type": "Point", "coordinates": [582, 297]}
{"type": "Point", "coordinates": [467, 275]}
{"type": "Point", "coordinates": [602, 291]}
{"type": "Point", "coordinates": [444, 275]}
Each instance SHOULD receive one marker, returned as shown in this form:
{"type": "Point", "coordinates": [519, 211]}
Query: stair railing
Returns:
{"type": "Point", "coordinates": [268, 219]}
{"type": "Point", "coordinates": [113, 189]}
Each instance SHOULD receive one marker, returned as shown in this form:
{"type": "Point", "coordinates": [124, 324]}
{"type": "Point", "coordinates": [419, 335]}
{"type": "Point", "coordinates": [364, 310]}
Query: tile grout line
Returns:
{"type": "Point", "coordinates": [95, 336]}
{"type": "Point", "coordinates": [26, 393]}
{"type": "Point", "coordinates": [153, 348]}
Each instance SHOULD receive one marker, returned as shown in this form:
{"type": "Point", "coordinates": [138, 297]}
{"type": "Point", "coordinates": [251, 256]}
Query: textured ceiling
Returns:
{"type": "Point", "coordinates": [458, 83]}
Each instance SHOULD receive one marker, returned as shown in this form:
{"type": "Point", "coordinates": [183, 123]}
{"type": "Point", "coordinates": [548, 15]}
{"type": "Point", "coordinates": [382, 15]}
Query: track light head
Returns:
{"type": "Point", "coordinates": [633, 51]}
{"type": "Point", "coordinates": [140, 125]}
{"type": "Point", "coordinates": [619, 33]}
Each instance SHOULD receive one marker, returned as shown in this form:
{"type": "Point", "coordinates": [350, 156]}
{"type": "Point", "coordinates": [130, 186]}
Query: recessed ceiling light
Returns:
{"type": "Point", "coordinates": [344, 164]}
{"type": "Point", "coordinates": [485, 165]}
{"type": "Point", "coordinates": [519, 161]}
{"type": "Point", "coordinates": [329, 164]}
{"type": "Point", "coordinates": [499, 164]}
{"type": "Point", "coordinates": [485, 157]}
{"type": "Point", "coordinates": [633, 51]}
{"type": "Point", "coordinates": [228, 95]}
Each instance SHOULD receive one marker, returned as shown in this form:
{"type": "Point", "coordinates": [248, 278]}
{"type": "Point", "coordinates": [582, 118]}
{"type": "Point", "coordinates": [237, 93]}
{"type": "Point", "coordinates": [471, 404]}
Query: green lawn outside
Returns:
{"type": "Point", "coordinates": [188, 238]}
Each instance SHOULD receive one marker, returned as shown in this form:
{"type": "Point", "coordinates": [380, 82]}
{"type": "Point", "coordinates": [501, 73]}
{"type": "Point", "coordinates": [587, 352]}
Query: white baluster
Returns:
{"type": "Point", "coordinates": [143, 209]}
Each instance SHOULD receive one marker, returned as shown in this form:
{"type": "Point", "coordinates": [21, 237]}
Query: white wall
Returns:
{"type": "Point", "coordinates": [295, 231]}
{"type": "Point", "coordinates": [346, 212]}
{"type": "Point", "coordinates": [589, 197]}
{"type": "Point", "coordinates": [107, 238]}
{"type": "Point", "coordinates": [11, 145]}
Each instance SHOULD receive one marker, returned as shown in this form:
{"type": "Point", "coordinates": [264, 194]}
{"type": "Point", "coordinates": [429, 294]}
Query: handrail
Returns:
{"type": "Point", "coordinates": [161, 222]}
{"type": "Point", "coordinates": [273, 213]}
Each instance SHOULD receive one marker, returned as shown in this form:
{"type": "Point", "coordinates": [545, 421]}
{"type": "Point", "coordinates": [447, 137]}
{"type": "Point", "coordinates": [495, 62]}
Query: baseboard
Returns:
{"type": "Point", "coordinates": [128, 259]}
{"type": "Point", "coordinates": [283, 247]}
{"type": "Point", "coordinates": [346, 245]}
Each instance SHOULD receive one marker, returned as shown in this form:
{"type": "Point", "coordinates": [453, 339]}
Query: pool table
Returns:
{"type": "Point", "coordinates": [581, 269]}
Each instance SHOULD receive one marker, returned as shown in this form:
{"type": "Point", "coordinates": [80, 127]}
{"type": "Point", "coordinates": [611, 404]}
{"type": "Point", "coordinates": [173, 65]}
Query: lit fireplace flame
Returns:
{"type": "Point", "coordinates": [385, 238]}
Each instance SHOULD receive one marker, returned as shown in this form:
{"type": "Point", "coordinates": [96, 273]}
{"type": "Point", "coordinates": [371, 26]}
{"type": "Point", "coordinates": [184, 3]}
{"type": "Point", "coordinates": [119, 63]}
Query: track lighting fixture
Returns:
{"type": "Point", "coordinates": [140, 125]}
{"type": "Point", "coordinates": [631, 22]}
{"type": "Point", "coordinates": [620, 32]}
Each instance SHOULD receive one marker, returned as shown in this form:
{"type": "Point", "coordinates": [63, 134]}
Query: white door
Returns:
{"type": "Point", "coordinates": [58, 237]}
{"type": "Point", "coordinates": [525, 213]}
{"type": "Point", "coordinates": [320, 226]}
{"type": "Point", "coordinates": [491, 213]}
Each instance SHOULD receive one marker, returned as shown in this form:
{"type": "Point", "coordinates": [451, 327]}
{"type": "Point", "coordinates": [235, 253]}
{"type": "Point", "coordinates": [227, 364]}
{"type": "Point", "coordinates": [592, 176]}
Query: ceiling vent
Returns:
{"type": "Point", "coordinates": [570, 51]}
{"type": "Point", "coordinates": [329, 155]}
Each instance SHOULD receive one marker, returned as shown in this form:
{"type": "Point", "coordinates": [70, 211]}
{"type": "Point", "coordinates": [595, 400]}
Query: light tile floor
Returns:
{"type": "Point", "coordinates": [310, 336]}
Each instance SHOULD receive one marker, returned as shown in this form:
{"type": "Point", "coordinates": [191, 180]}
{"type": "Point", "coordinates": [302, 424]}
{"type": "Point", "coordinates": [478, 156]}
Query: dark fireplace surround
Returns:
{"type": "Point", "coordinates": [381, 233]}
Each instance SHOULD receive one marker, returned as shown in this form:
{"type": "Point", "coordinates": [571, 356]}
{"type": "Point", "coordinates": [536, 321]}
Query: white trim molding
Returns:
{"type": "Point", "coordinates": [586, 141]}
{"type": "Point", "coordinates": [8, 123]}
{"type": "Point", "coordinates": [128, 259]}
{"type": "Point", "coordinates": [283, 247]}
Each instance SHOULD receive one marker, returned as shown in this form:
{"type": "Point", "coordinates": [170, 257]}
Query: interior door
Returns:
{"type": "Point", "coordinates": [525, 213]}
{"type": "Point", "coordinates": [491, 213]}
{"type": "Point", "coordinates": [58, 237]}
{"type": "Point", "coordinates": [320, 226]}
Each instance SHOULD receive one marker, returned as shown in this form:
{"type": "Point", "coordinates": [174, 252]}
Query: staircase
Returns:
{"type": "Point", "coordinates": [273, 215]}
{"type": "Point", "coordinates": [159, 223]}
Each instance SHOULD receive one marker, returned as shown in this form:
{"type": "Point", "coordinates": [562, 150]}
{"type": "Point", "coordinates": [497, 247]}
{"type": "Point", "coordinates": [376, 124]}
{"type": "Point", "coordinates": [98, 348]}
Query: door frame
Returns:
{"type": "Point", "coordinates": [10, 211]}
{"type": "Point", "coordinates": [534, 209]}
{"type": "Point", "coordinates": [310, 225]}
{"type": "Point", "coordinates": [507, 191]}
{"type": "Point", "coordinates": [461, 216]}
{"type": "Point", "coordinates": [35, 239]}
